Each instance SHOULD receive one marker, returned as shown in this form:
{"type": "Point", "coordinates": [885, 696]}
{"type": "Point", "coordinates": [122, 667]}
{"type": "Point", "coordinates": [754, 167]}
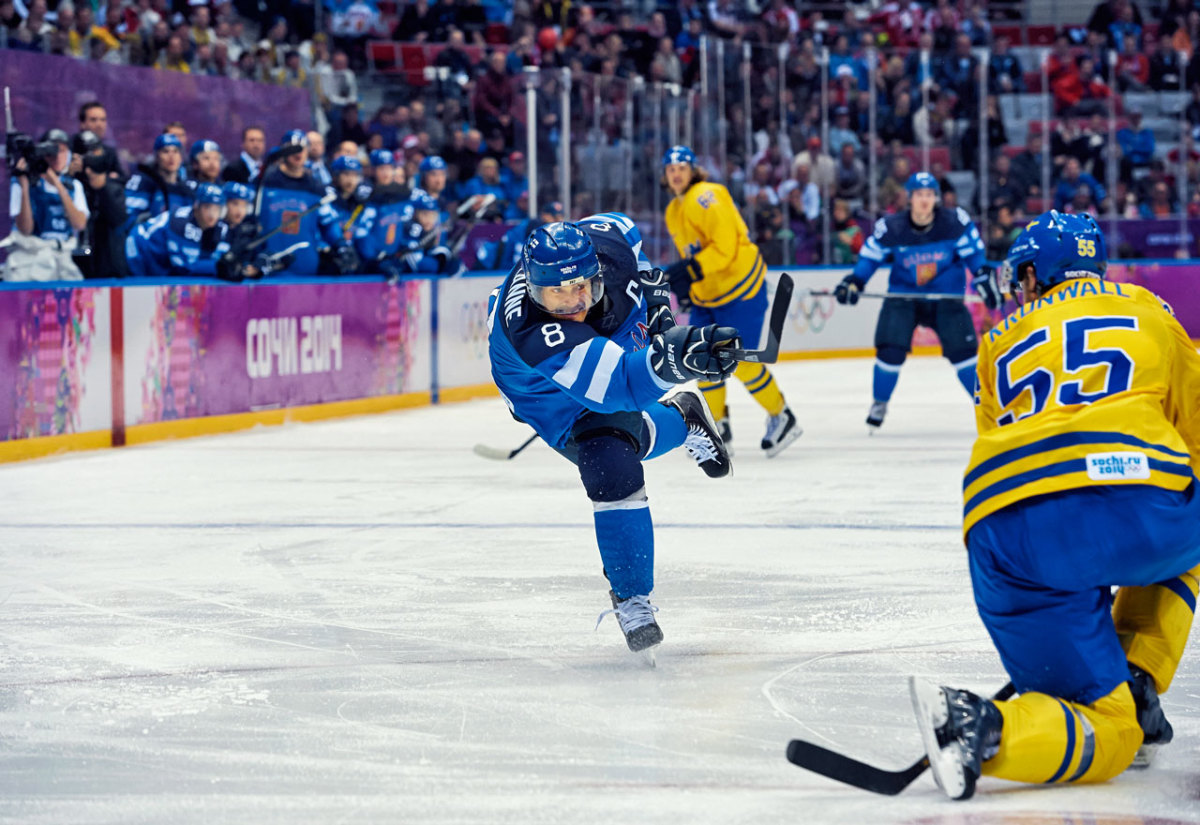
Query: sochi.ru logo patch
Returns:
{"type": "Point", "coordinates": [1118, 466]}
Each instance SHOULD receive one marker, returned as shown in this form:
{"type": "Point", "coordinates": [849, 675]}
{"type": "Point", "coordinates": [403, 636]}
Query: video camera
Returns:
{"type": "Point", "coordinates": [38, 154]}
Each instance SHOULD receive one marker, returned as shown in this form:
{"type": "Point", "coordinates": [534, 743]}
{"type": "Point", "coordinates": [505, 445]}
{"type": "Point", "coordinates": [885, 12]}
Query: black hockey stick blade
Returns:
{"type": "Point", "coordinates": [496, 454]}
{"type": "Point", "coordinates": [842, 768]}
{"type": "Point", "coordinates": [833, 765]}
{"type": "Point", "coordinates": [779, 311]}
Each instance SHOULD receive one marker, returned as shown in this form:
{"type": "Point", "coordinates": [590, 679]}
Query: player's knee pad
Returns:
{"type": "Point", "coordinates": [892, 356]}
{"type": "Point", "coordinates": [610, 465]}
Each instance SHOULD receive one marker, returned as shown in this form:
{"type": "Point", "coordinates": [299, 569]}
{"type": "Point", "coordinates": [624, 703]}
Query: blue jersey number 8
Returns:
{"type": "Point", "coordinates": [1076, 356]}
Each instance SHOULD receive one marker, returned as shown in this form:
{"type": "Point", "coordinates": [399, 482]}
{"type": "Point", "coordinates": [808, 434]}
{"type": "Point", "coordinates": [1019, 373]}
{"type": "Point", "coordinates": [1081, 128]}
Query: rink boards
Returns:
{"type": "Point", "coordinates": [106, 365]}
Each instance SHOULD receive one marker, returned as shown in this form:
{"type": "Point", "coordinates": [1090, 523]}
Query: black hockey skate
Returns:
{"type": "Point", "coordinates": [636, 617]}
{"type": "Point", "coordinates": [703, 441]}
{"type": "Point", "coordinates": [960, 730]}
{"type": "Point", "coordinates": [1156, 730]}
{"type": "Point", "coordinates": [782, 430]}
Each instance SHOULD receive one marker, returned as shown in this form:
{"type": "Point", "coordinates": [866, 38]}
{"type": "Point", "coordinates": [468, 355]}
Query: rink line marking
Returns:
{"type": "Point", "coordinates": [449, 525]}
{"type": "Point", "coordinates": [768, 686]}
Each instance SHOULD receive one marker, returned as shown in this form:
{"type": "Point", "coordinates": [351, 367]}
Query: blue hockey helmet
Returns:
{"type": "Point", "coordinates": [209, 193]}
{"type": "Point", "coordinates": [345, 163]}
{"type": "Point", "coordinates": [431, 163]}
{"type": "Point", "coordinates": [922, 180]}
{"type": "Point", "coordinates": [166, 140]}
{"type": "Point", "coordinates": [382, 157]}
{"type": "Point", "coordinates": [559, 256]}
{"type": "Point", "coordinates": [203, 146]}
{"type": "Point", "coordinates": [423, 201]}
{"type": "Point", "coordinates": [235, 191]}
{"type": "Point", "coordinates": [1059, 247]}
{"type": "Point", "coordinates": [679, 154]}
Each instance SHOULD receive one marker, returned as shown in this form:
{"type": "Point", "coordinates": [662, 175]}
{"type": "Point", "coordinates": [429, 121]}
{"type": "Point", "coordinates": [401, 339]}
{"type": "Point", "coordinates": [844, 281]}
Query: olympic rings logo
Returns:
{"type": "Point", "coordinates": [811, 314]}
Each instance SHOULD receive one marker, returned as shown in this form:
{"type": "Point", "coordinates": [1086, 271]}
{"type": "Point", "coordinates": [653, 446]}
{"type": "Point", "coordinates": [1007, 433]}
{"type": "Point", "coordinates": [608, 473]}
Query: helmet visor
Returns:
{"type": "Point", "coordinates": [570, 297]}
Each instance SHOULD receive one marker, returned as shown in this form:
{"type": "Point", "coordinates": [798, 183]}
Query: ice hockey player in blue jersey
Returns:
{"type": "Point", "coordinates": [583, 345]}
{"type": "Point", "coordinates": [930, 248]}
{"type": "Point", "coordinates": [158, 189]}
{"type": "Point", "coordinates": [290, 199]}
{"type": "Point", "coordinates": [204, 163]}
{"type": "Point", "coordinates": [352, 195]}
{"type": "Point", "coordinates": [420, 249]}
{"type": "Point", "coordinates": [187, 242]}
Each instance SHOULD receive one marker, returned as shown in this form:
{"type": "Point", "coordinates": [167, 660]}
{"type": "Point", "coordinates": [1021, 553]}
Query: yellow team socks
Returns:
{"type": "Point", "coordinates": [1046, 739]}
{"type": "Point", "coordinates": [761, 385]}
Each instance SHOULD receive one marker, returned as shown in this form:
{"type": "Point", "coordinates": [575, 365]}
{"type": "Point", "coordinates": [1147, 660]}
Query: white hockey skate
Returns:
{"type": "Point", "coordinates": [782, 430]}
{"type": "Point", "coordinates": [875, 416]}
{"type": "Point", "coordinates": [635, 615]}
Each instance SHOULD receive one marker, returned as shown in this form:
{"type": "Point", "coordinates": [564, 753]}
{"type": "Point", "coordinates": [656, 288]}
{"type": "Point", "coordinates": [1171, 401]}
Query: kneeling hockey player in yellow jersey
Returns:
{"type": "Point", "coordinates": [720, 278]}
{"type": "Point", "coordinates": [1082, 478]}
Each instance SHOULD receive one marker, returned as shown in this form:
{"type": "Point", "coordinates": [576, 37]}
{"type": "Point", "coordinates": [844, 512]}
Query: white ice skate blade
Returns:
{"type": "Point", "coordinates": [929, 706]}
{"type": "Point", "coordinates": [648, 656]}
{"type": "Point", "coordinates": [796, 432]}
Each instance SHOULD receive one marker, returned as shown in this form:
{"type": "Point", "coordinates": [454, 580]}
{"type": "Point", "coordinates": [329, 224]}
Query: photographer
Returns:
{"type": "Point", "coordinates": [106, 224]}
{"type": "Point", "coordinates": [47, 206]}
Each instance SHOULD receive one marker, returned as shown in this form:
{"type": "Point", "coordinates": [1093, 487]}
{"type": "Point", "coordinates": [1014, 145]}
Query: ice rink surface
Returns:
{"type": "Point", "coordinates": [361, 621]}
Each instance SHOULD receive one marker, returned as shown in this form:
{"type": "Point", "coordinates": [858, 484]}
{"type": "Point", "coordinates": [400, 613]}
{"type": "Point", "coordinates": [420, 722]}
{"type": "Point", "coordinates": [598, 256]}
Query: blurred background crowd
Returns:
{"type": "Point", "coordinates": [813, 114]}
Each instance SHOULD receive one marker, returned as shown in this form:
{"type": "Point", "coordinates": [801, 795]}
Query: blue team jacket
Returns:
{"type": "Point", "coordinates": [172, 245]}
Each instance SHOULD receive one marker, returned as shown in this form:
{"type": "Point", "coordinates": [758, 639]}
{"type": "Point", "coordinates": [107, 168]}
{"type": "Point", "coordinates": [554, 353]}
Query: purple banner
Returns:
{"type": "Point", "coordinates": [210, 350]}
{"type": "Point", "coordinates": [47, 91]}
{"type": "Point", "coordinates": [1151, 239]}
{"type": "Point", "coordinates": [47, 338]}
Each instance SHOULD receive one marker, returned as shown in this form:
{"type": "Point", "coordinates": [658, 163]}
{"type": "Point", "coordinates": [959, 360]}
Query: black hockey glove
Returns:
{"type": "Point", "coordinates": [229, 268]}
{"type": "Point", "coordinates": [683, 354]}
{"type": "Point", "coordinates": [987, 284]}
{"type": "Point", "coordinates": [847, 292]}
{"type": "Point", "coordinates": [658, 301]}
{"type": "Point", "coordinates": [346, 260]}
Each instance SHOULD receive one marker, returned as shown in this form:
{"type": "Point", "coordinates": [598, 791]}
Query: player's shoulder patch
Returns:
{"type": "Point", "coordinates": [704, 194]}
{"type": "Point", "coordinates": [881, 228]}
{"type": "Point", "coordinates": [963, 217]}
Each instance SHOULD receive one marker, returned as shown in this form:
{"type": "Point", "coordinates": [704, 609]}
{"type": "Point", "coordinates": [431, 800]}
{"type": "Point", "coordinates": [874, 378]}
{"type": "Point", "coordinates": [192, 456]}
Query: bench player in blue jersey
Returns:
{"type": "Point", "coordinates": [186, 242]}
{"type": "Point", "coordinates": [583, 344]}
{"type": "Point", "coordinates": [1081, 479]}
{"type": "Point", "coordinates": [929, 247]}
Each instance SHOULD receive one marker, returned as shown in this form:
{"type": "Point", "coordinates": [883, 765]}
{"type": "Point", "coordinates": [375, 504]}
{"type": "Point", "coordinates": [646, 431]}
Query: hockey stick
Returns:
{"type": "Point", "coordinates": [834, 765]}
{"type": "Point", "coordinates": [779, 311]}
{"type": "Point", "coordinates": [496, 454]}
{"type": "Point", "coordinates": [904, 296]}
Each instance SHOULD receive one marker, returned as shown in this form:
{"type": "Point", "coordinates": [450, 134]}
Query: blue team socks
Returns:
{"type": "Point", "coordinates": [626, 539]}
{"type": "Point", "coordinates": [966, 374]}
{"type": "Point", "coordinates": [886, 376]}
{"type": "Point", "coordinates": [666, 429]}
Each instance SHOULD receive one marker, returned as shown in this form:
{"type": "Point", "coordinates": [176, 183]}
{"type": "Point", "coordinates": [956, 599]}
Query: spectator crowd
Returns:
{"type": "Point", "coordinates": [798, 168]}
